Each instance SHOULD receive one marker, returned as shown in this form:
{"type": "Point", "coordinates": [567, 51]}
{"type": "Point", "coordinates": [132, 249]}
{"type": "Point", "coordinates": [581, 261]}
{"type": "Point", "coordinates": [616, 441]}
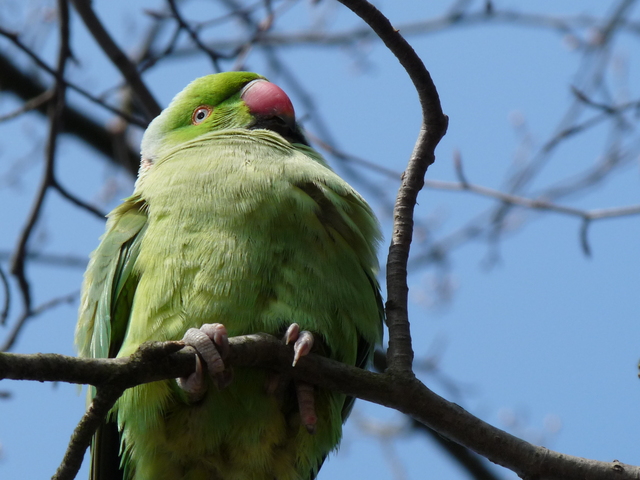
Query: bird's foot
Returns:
{"type": "Point", "coordinates": [303, 342]}
{"type": "Point", "coordinates": [212, 345]}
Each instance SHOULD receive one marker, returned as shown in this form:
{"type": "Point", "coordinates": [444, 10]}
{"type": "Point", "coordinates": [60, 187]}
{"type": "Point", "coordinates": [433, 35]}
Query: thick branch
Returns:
{"type": "Point", "coordinates": [475, 465]}
{"type": "Point", "coordinates": [155, 361]}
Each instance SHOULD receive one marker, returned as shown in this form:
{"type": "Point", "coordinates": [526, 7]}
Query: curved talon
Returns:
{"type": "Point", "coordinates": [194, 385]}
{"type": "Point", "coordinates": [303, 346]}
{"type": "Point", "coordinates": [304, 391]}
{"type": "Point", "coordinates": [303, 341]}
{"type": "Point", "coordinates": [292, 333]}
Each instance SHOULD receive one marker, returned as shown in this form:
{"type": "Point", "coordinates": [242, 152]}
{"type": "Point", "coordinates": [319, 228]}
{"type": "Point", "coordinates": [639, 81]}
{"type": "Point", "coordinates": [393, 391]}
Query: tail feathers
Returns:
{"type": "Point", "coordinates": [105, 453]}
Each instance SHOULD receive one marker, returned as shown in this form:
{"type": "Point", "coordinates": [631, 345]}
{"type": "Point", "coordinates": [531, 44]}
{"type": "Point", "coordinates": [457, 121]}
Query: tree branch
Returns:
{"type": "Point", "coordinates": [40, 309]}
{"type": "Point", "coordinates": [475, 465]}
{"type": "Point", "coordinates": [214, 56]}
{"type": "Point", "coordinates": [74, 122]}
{"type": "Point", "coordinates": [104, 400]}
{"type": "Point", "coordinates": [78, 202]}
{"type": "Point", "coordinates": [119, 59]}
{"type": "Point", "coordinates": [6, 291]}
{"type": "Point", "coordinates": [563, 25]}
{"type": "Point", "coordinates": [43, 65]}
{"type": "Point", "coordinates": [56, 108]}
{"type": "Point", "coordinates": [434, 126]}
{"type": "Point", "coordinates": [161, 360]}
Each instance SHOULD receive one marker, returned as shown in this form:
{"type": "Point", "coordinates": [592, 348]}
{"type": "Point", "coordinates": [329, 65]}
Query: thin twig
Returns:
{"type": "Point", "coordinates": [7, 297]}
{"type": "Point", "coordinates": [40, 309]}
{"type": "Point", "coordinates": [149, 60]}
{"type": "Point", "coordinates": [214, 56]}
{"type": "Point", "coordinates": [567, 128]}
{"type": "Point", "coordinates": [542, 202]}
{"type": "Point", "coordinates": [347, 157]}
{"type": "Point", "coordinates": [119, 59]}
{"type": "Point", "coordinates": [593, 65]}
{"type": "Point", "coordinates": [535, 203]}
{"type": "Point", "coordinates": [15, 39]}
{"type": "Point", "coordinates": [563, 25]}
{"type": "Point", "coordinates": [76, 201]}
{"type": "Point", "coordinates": [29, 105]}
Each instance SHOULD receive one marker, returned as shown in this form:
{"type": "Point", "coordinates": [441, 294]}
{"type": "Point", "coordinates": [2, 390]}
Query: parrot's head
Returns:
{"type": "Point", "coordinates": [222, 101]}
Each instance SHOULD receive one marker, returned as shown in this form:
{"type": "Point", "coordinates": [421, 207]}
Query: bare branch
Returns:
{"type": "Point", "coordinates": [539, 203]}
{"type": "Point", "coordinates": [29, 105]}
{"type": "Point", "coordinates": [40, 309]}
{"type": "Point", "coordinates": [119, 59]}
{"type": "Point", "coordinates": [347, 157]}
{"type": "Point", "coordinates": [214, 56]}
{"type": "Point", "coordinates": [103, 401]}
{"type": "Point", "coordinates": [77, 202]}
{"type": "Point", "coordinates": [7, 297]}
{"type": "Point", "coordinates": [74, 122]}
{"type": "Point", "coordinates": [569, 25]}
{"type": "Point", "coordinates": [593, 60]}
{"type": "Point", "coordinates": [43, 65]}
{"type": "Point", "coordinates": [434, 125]}
{"type": "Point", "coordinates": [156, 361]}
{"type": "Point", "coordinates": [56, 109]}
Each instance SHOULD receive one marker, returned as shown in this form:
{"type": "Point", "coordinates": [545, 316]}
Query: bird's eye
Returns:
{"type": "Point", "coordinates": [200, 114]}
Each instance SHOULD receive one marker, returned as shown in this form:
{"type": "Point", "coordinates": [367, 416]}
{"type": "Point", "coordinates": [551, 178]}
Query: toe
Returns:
{"type": "Point", "coordinates": [292, 333]}
{"type": "Point", "coordinates": [217, 332]}
{"type": "Point", "coordinates": [303, 345]}
{"type": "Point", "coordinates": [306, 406]}
{"type": "Point", "coordinates": [206, 349]}
{"type": "Point", "coordinates": [194, 385]}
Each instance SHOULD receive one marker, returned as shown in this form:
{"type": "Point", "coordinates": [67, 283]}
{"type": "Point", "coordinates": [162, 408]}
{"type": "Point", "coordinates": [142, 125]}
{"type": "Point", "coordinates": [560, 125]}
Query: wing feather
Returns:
{"type": "Point", "coordinates": [104, 314]}
{"type": "Point", "coordinates": [108, 272]}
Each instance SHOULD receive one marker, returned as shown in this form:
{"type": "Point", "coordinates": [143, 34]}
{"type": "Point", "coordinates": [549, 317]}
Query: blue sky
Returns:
{"type": "Point", "coordinates": [544, 343]}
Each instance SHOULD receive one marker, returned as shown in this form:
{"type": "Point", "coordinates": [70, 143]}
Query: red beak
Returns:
{"type": "Point", "coordinates": [268, 100]}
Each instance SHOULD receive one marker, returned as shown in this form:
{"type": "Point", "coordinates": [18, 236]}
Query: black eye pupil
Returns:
{"type": "Point", "coordinates": [200, 115]}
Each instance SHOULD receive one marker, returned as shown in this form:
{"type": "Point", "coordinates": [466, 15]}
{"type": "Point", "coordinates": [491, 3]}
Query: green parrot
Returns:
{"type": "Point", "coordinates": [235, 226]}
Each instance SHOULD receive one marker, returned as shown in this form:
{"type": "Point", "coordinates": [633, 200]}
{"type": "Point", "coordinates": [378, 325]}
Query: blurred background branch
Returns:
{"type": "Point", "coordinates": [70, 104]}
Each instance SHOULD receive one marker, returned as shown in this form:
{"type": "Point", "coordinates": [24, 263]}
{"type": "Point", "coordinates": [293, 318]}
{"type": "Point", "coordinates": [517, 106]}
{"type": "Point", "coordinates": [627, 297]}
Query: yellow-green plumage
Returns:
{"type": "Point", "coordinates": [241, 227]}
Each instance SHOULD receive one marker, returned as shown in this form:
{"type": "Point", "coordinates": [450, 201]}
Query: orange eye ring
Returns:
{"type": "Point", "coordinates": [200, 114]}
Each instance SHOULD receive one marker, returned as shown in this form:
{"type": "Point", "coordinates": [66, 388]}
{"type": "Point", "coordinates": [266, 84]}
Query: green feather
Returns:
{"type": "Point", "coordinates": [240, 227]}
